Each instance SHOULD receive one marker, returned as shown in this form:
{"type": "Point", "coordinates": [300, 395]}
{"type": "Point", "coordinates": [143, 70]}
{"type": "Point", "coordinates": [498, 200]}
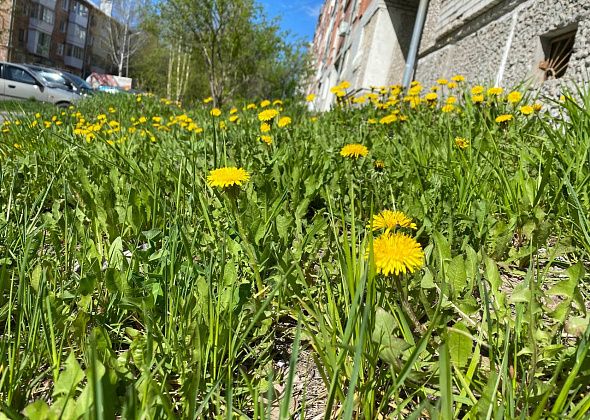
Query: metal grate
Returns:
{"type": "Point", "coordinates": [560, 51]}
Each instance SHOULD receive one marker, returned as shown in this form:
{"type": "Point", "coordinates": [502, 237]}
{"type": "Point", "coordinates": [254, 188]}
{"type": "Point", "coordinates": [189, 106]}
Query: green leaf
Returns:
{"type": "Point", "coordinates": [116, 254]}
{"type": "Point", "coordinates": [69, 378]}
{"type": "Point", "coordinates": [36, 277]}
{"type": "Point", "coordinates": [520, 294]}
{"type": "Point", "coordinates": [460, 344]}
{"type": "Point", "coordinates": [282, 223]}
{"type": "Point", "coordinates": [566, 288]}
{"type": "Point", "coordinates": [427, 281]}
{"type": "Point", "coordinates": [230, 273]}
{"type": "Point", "coordinates": [443, 250]}
{"type": "Point", "coordinates": [457, 274]}
{"type": "Point", "coordinates": [391, 347]}
{"type": "Point", "coordinates": [37, 410]}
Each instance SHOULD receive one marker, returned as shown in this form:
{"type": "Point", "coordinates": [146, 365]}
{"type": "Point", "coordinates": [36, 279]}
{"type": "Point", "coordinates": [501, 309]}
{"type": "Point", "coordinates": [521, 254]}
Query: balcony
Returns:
{"type": "Point", "coordinates": [75, 37]}
{"type": "Point", "coordinates": [79, 19]}
{"type": "Point", "coordinates": [50, 4]}
{"type": "Point", "coordinates": [73, 62]}
{"type": "Point", "coordinates": [40, 25]}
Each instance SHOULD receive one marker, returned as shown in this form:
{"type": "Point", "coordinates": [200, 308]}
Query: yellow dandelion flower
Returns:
{"type": "Point", "coordinates": [431, 97]}
{"type": "Point", "coordinates": [207, 100]}
{"type": "Point", "coordinates": [251, 106]}
{"type": "Point", "coordinates": [448, 108]}
{"type": "Point", "coordinates": [335, 89]}
{"type": "Point", "coordinates": [234, 118]}
{"type": "Point", "coordinates": [504, 118]}
{"type": "Point", "coordinates": [264, 103]}
{"type": "Point", "coordinates": [227, 177]}
{"type": "Point", "coordinates": [310, 97]}
{"type": "Point", "coordinates": [216, 112]}
{"type": "Point", "coordinates": [264, 127]}
{"type": "Point", "coordinates": [461, 142]}
{"type": "Point", "coordinates": [451, 100]}
{"type": "Point", "coordinates": [284, 121]}
{"type": "Point", "coordinates": [514, 97]}
{"type": "Point", "coordinates": [477, 90]}
{"type": "Point", "coordinates": [372, 121]}
{"type": "Point", "coordinates": [266, 139]}
{"type": "Point", "coordinates": [388, 119]}
{"type": "Point", "coordinates": [397, 253]}
{"type": "Point", "coordinates": [452, 85]}
{"type": "Point", "coordinates": [458, 78]}
{"type": "Point", "coordinates": [389, 220]}
{"type": "Point", "coordinates": [495, 91]}
{"type": "Point", "coordinates": [415, 90]}
{"type": "Point", "coordinates": [379, 165]}
{"type": "Point", "coordinates": [344, 84]}
{"type": "Point", "coordinates": [526, 110]}
{"type": "Point", "coordinates": [442, 82]}
{"type": "Point", "coordinates": [268, 114]}
{"type": "Point", "coordinates": [233, 111]}
{"type": "Point", "coordinates": [354, 151]}
{"type": "Point", "coordinates": [477, 99]}
{"type": "Point", "coordinates": [537, 107]}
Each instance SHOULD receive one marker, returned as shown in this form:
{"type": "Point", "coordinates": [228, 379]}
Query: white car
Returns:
{"type": "Point", "coordinates": [18, 82]}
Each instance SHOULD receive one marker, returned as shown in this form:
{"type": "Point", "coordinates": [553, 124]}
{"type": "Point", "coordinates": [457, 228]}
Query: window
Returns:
{"type": "Point", "coordinates": [21, 35]}
{"type": "Point", "coordinates": [18, 75]}
{"type": "Point", "coordinates": [80, 9]}
{"type": "Point", "coordinates": [65, 5]}
{"type": "Point", "coordinates": [42, 13]}
{"type": "Point", "coordinates": [62, 26]}
{"type": "Point", "coordinates": [73, 51]}
{"type": "Point", "coordinates": [43, 42]}
{"type": "Point", "coordinates": [79, 33]}
{"type": "Point", "coordinates": [60, 49]}
{"type": "Point", "coordinates": [558, 50]}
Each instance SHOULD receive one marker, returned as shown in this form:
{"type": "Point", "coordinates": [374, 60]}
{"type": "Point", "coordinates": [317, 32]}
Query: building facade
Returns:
{"type": "Point", "coordinates": [66, 34]}
{"type": "Point", "coordinates": [364, 42]}
{"type": "Point", "coordinates": [538, 43]}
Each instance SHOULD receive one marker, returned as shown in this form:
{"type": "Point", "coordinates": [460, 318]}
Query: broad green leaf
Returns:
{"type": "Point", "coordinates": [520, 294]}
{"type": "Point", "coordinates": [36, 277]}
{"type": "Point", "coordinates": [459, 344]}
{"type": "Point", "coordinates": [69, 378]}
{"type": "Point", "coordinates": [457, 274]}
{"type": "Point", "coordinates": [566, 288]}
{"type": "Point", "coordinates": [37, 410]}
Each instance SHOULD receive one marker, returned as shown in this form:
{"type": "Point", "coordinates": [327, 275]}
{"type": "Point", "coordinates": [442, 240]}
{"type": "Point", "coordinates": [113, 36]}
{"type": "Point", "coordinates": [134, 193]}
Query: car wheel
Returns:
{"type": "Point", "coordinates": [63, 104]}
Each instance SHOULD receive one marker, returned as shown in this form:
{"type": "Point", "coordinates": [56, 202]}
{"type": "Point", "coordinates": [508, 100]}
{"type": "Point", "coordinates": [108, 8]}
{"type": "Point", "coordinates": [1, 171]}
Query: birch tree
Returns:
{"type": "Point", "coordinates": [124, 37]}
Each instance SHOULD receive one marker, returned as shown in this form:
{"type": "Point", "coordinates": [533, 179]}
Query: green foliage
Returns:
{"type": "Point", "coordinates": [129, 287]}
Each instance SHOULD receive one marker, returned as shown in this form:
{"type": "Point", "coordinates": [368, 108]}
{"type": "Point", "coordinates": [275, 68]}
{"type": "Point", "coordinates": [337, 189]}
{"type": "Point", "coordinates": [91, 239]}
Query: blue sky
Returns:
{"type": "Point", "coordinates": [297, 16]}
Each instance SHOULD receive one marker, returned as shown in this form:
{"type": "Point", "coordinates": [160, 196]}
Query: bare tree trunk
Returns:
{"type": "Point", "coordinates": [178, 65]}
{"type": "Point", "coordinates": [169, 81]}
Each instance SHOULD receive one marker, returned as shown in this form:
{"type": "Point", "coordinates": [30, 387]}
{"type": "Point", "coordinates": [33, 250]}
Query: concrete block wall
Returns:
{"type": "Point", "coordinates": [503, 43]}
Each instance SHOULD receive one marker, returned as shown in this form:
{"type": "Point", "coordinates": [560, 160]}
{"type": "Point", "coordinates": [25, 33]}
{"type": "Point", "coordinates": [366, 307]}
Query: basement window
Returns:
{"type": "Point", "coordinates": [558, 50]}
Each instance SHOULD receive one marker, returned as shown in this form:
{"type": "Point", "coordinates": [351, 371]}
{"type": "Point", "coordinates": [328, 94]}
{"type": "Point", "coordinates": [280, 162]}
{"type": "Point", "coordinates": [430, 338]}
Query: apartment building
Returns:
{"type": "Point", "coordinates": [542, 43]}
{"type": "Point", "coordinates": [67, 34]}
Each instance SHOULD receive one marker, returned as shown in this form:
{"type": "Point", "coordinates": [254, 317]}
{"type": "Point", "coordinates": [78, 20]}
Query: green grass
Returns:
{"type": "Point", "coordinates": [25, 106]}
{"type": "Point", "coordinates": [129, 287]}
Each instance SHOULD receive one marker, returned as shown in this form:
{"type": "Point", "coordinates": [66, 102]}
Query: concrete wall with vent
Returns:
{"type": "Point", "coordinates": [501, 41]}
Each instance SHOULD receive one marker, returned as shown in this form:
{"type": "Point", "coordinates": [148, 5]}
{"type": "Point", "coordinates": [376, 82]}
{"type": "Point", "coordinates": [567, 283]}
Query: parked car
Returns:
{"type": "Point", "coordinates": [19, 82]}
{"type": "Point", "coordinates": [66, 80]}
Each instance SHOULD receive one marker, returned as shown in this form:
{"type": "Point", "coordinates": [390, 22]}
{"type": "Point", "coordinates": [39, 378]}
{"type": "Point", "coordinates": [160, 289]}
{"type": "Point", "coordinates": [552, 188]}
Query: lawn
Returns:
{"type": "Point", "coordinates": [401, 256]}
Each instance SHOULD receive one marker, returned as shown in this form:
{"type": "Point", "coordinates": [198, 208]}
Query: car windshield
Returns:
{"type": "Point", "coordinates": [78, 81]}
{"type": "Point", "coordinates": [51, 78]}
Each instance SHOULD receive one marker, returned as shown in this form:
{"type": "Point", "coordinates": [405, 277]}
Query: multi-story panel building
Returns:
{"type": "Point", "coordinates": [506, 42]}
{"type": "Point", "coordinates": [56, 33]}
